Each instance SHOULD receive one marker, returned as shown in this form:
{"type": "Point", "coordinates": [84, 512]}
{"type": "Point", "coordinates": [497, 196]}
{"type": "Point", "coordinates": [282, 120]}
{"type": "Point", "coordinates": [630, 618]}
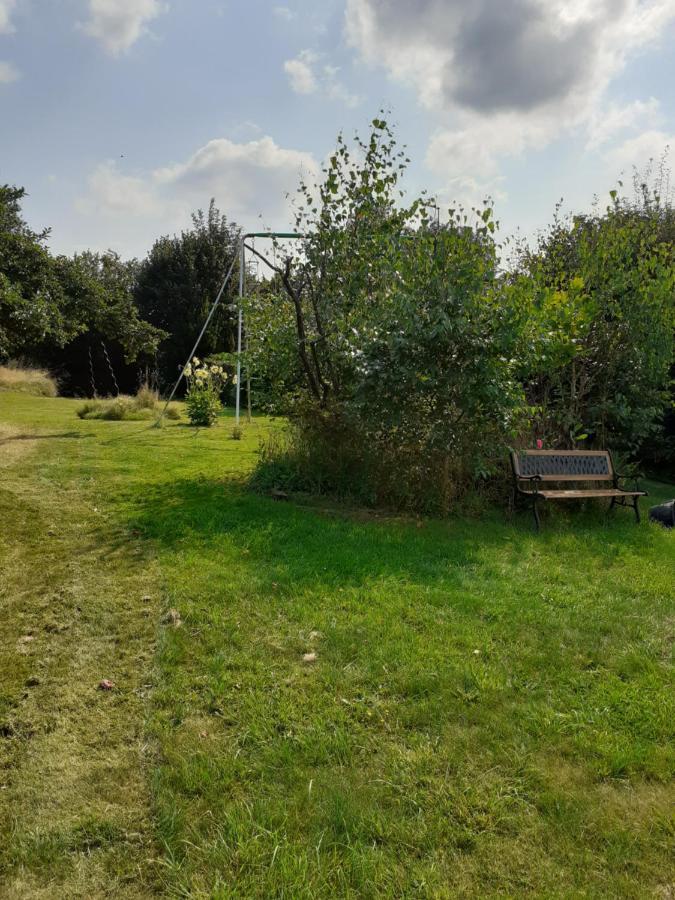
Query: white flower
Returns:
{"type": "Point", "coordinates": [195, 361]}
{"type": "Point", "coordinates": [187, 370]}
{"type": "Point", "coordinates": [214, 370]}
{"type": "Point", "coordinates": [234, 379]}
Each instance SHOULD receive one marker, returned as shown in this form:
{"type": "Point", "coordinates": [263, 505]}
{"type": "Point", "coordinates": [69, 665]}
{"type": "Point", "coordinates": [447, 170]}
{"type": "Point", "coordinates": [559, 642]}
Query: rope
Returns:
{"type": "Point", "coordinates": [91, 374]}
{"type": "Point", "coordinates": [112, 373]}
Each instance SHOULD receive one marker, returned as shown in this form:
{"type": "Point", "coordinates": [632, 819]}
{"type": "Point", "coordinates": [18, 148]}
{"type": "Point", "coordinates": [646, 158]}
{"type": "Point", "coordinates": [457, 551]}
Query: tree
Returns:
{"type": "Point", "coordinates": [398, 329]}
{"type": "Point", "coordinates": [178, 282]}
{"type": "Point", "coordinates": [601, 322]}
{"type": "Point", "coordinates": [31, 297]}
{"type": "Point", "coordinates": [112, 338]}
{"type": "Point", "coordinates": [53, 310]}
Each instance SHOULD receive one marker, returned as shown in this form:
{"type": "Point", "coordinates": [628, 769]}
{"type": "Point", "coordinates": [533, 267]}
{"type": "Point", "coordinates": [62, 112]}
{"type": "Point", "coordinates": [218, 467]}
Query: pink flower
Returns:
{"type": "Point", "coordinates": [540, 444]}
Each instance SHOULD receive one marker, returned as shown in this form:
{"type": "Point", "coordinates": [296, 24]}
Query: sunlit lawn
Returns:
{"type": "Point", "coordinates": [488, 712]}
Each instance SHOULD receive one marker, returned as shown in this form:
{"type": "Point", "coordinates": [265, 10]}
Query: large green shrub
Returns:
{"type": "Point", "coordinates": [395, 335]}
{"type": "Point", "coordinates": [600, 326]}
{"type": "Point", "coordinates": [409, 362]}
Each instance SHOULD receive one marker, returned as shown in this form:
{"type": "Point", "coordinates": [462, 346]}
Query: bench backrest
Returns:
{"type": "Point", "coordinates": [563, 465]}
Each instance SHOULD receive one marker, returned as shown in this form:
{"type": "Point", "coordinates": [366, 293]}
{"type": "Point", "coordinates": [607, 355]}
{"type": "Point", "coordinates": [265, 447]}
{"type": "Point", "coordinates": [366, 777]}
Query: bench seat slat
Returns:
{"type": "Point", "coordinates": [590, 492]}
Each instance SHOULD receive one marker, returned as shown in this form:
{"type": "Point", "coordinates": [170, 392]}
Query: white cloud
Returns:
{"type": "Point", "coordinates": [8, 72]}
{"type": "Point", "coordinates": [300, 73]}
{"type": "Point", "coordinates": [110, 193]}
{"type": "Point", "coordinates": [247, 179]}
{"type": "Point", "coordinates": [503, 78]}
{"type": "Point", "coordinates": [606, 122]}
{"type": "Point", "coordinates": [638, 151]}
{"type": "Point", "coordinates": [118, 24]}
{"type": "Point", "coordinates": [250, 182]}
{"type": "Point", "coordinates": [6, 7]}
{"type": "Point", "coordinates": [489, 56]}
{"type": "Point", "coordinates": [283, 12]}
{"type": "Point", "coordinates": [308, 75]}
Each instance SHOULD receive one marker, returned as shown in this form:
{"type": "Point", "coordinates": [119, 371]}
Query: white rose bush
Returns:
{"type": "Point", "coordinates": [205, 386]}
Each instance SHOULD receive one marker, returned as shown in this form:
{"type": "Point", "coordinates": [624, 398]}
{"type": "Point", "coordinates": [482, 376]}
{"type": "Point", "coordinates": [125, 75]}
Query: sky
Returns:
{"type": "Point", "coordinates": [120, 117]}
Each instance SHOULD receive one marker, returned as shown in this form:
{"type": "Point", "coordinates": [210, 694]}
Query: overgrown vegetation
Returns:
{"type": "Point", "coordinates": [602, 320]}
{"type": "Point", "coordinates": [144, 405]}
{"type": "Point", "coordinates": [27, 379]}
{"type": "Point", "coordinates": [409, 361]}
{"type": "Point", "coordinates": [408, 355]}
{"type": "Point", "coordinates": [310, 702]}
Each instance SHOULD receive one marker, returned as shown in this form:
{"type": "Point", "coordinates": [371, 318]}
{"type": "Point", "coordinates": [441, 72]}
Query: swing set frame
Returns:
{"type": "Point", "coordinates": [240, 256]}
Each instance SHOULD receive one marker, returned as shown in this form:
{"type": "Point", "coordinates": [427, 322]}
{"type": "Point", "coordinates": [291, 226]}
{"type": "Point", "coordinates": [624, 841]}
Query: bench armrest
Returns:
{"type": "Point", "coordinates": [532, 479]}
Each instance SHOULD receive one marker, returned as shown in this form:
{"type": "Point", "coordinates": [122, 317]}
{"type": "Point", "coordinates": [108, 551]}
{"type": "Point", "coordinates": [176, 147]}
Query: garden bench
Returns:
{"type": "Point", "coordinates": [533, 469]}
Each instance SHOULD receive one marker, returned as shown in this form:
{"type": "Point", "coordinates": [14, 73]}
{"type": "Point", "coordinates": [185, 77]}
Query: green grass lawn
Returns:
{"type": "Point", "coordinates": [489, 712]}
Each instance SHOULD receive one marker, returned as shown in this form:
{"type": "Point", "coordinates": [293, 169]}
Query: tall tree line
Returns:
{"type": "Point", "coordinates": [102, 324]}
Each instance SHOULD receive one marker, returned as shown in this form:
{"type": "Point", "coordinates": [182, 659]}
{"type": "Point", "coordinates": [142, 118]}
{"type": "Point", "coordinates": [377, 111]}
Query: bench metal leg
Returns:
{"type": "Point", "coordinates": [537, 523]}
{"type": "Point", "coordinates": [622, 502]}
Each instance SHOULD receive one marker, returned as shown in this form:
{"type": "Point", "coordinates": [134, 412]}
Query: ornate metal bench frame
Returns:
{"type": "Point", "coordinates": [536, 467]}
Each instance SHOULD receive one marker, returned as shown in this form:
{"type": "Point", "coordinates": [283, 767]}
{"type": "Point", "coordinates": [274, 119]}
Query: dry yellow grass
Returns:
{"type": "Point", "coordinates": [75, 818]}
{"type": "Point", "coordinates": [28, 380]}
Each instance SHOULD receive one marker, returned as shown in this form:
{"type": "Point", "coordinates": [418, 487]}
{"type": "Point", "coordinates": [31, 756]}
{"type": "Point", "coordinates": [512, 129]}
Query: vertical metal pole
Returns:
{"type": "Point", "coordinates": [239, 323]}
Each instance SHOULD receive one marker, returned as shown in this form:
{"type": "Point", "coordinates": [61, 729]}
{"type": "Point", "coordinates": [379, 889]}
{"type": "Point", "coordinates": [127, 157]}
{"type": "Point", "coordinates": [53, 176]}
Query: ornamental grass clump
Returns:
{"type": "Point", "coordinates": [205, 386]}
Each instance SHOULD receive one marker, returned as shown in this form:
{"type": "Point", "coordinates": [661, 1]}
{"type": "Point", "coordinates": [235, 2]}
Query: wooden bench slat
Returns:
{"type": "Point", "coordinates": [575, 495]}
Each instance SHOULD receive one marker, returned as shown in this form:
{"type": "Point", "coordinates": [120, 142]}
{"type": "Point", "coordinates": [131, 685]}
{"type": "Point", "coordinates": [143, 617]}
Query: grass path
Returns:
{"type": "Point", "coordinates": [74, 805]}
{"type": "Point", "coordinates": [487, 712]}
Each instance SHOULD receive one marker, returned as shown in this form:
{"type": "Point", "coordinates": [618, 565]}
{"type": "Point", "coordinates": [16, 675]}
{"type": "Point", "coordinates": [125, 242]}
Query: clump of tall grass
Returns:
{"type": "Point", "coordinates": [28, 380]}
{"type": "Point", "coordinates": [328, 455]}
{"type": "Point", "coordinates": [144, 405]}
{"type": "Point", "coordinates": [147, 397]}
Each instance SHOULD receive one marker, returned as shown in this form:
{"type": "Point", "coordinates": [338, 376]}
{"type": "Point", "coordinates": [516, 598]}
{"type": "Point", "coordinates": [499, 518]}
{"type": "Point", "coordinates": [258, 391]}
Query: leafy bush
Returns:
{"type": "Point", "coordinates": [598, 338]}
{"type": "Point", "coordinates": [401, 331]}
{"type": "Point", "coordinates": [28, 380]}
{"type": "Point", "coordinates": [409, 362]}
{"type": "Point", "coordinates": [205, 386]}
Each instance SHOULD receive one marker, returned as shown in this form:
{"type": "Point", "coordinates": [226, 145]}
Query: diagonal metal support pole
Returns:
{"type": "Point", "coordinates": [201, 335]}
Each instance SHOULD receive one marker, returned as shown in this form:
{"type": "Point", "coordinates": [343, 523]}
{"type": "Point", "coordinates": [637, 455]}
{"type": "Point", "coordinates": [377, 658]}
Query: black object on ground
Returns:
{"type": "Point", "coordinates": [664, 514]}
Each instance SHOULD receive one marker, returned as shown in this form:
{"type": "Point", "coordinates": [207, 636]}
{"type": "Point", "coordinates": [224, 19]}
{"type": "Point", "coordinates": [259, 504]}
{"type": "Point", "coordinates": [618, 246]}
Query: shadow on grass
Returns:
{"type": "Point", "coordinates": [337, 545]}
{"type": "Point", "coordinates": [42, 437]}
